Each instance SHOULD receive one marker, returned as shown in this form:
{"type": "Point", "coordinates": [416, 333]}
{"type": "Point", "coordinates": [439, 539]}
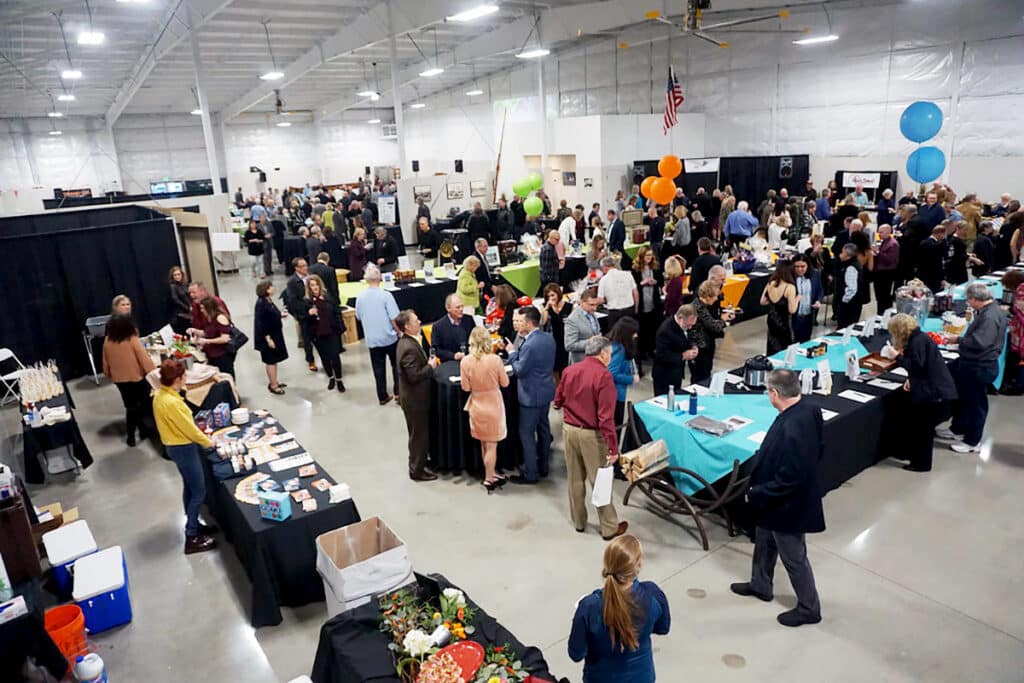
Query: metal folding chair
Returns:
{"type": "Point", "coordinates": [10, 379]}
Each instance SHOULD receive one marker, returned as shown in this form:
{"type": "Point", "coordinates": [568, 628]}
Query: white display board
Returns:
{"type": "Point", "coordinates": [224, 241]}
{"type": "Point", "coordinates": [386, 209]}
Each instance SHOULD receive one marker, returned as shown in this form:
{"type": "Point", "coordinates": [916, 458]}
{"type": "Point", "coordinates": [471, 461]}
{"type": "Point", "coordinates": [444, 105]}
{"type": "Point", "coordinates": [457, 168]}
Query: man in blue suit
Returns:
{"type": "Point", "coordinates": [533, 363]}
{"type": "Point", "coordinates": [450, 335]}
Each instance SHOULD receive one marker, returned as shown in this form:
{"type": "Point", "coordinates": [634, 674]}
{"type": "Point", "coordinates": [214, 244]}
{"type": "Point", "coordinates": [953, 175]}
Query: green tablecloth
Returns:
{"type": "Point", "coordinates": [526, 276]}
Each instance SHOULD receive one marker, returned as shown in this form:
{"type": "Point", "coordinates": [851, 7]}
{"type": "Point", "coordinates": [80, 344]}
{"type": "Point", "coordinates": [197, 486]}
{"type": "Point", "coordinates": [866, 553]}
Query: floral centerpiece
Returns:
{"type": "Point", "coordinates": [419, 629]}
{"type": "Point", "coordinates": [180, 347]}
{"type": "Point", "coordinates": [501, 665]}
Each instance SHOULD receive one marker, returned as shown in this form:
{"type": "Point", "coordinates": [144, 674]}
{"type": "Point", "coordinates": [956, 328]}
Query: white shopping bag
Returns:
{"type": "Point", "coordinates": [603, 487]}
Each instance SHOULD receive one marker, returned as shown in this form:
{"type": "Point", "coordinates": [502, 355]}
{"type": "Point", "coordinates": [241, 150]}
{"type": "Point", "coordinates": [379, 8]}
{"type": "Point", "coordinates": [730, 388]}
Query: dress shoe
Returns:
{"type": "Point", "coordinates": [131, 440]}
{"type": "Point", "coordinates": [331, 384]}
{"type": "Point", "coordinates": [961, 447]}
{"type": "Point", "coordinates": [386, 401]}
{"type": "Point", "coordinates": [312, 367]}
{"type": "Point", "coordinates": [618, 532]}
{"type": "Point", "coordinates": [911, 468]}
{"type": "Point", "coordinates": [208, 529]}
{"type": "Point", "coordinates": [341, 387]}
{"type": "Point", "coordinates": [520, 479]}
{"type": "Point", "coordinates": [581, 531]}
{"type": "Point", "coordinates": [424, 476]}
{"type": "Point", "coordinates": [199, 544]}
{"type": "Point", "coordinates": [795, 617]}
{"type": "Point", "coordinates": [746, 591]}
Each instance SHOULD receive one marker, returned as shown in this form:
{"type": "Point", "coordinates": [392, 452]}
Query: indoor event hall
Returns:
{"type": "Point", "coordinates": [511, 341]}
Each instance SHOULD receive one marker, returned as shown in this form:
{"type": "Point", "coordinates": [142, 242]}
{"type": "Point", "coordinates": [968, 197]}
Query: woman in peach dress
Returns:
{"type": "Point", "coordinates": [483, 376]}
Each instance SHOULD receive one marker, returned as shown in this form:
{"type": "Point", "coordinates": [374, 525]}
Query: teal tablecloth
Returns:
{"type": "Point", "coordinates": [994, 288]}
{"type": "Point", "coordinates": [836, 355]}
{"type": "Point", "coordinates": [935, 325]}
{"type": "Point", "coordinates": [709, 456]}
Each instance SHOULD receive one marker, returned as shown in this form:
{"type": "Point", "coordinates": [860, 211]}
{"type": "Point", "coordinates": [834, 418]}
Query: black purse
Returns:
{"type": "Point", "coordinates": [238, 340]}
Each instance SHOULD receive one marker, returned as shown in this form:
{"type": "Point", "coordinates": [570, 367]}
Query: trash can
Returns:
{"type": "Point", "coordinates": [359, 561]}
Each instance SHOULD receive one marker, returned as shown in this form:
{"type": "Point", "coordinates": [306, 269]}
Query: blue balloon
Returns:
{"type": "Point", "coordinates": [921, 121]}
{"type": "Point", "coordinates": [926, 164]}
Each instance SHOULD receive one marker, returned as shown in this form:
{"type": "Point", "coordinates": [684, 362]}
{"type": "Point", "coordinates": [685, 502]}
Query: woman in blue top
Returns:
{"type": "Point", "coordinates": [612, 627]}
{"type": "Point", "coordinates": [623, 336]}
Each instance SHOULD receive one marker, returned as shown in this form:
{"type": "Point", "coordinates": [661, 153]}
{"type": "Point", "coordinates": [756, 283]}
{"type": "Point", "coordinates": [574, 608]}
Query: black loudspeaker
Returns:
{"type": "Point", "coordinates": [415, 166]}
{"type": "Point", "coordinates": [785, 167]}
{"type": "Point", "coordinates": [458, 165]}
{"type": "Point", "coordinates": [263, 177]}
{"type": "Point", "coordinates": [366, 171]}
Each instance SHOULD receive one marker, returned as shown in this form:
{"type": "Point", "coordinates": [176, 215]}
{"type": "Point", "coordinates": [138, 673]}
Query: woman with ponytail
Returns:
{"type": "Point", "coordinates": [612, 627]}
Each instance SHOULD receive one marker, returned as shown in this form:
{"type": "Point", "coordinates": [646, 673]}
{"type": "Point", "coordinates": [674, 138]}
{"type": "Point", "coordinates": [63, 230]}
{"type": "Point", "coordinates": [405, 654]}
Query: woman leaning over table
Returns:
{"type": "Point", "coordinates": [214, 335]}
{"type": "Point", "coordinates": [612, 627]}
{"type": "Point", "coordinates": [467, 286]}
{"type": "Point", "coordinates": [483, 376]}
{"type": "Point", "coordinates": [126, 363]}
{"type": "Point", "coordinates": [268, 334]}
{"type": "Point", "coordinates": [181, 438]}
{"type": "Point", "coordinates": [926, 394]}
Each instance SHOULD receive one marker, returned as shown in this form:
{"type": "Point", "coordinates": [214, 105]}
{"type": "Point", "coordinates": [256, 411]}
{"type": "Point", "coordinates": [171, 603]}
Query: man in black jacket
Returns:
{"type": "Point", "coordinates": [294, 302]}
{"type": "Point", "coordinates": [323, 270]}
{"type": "Point", "coordinates": [429, 239]}
{"type": "Point", "coordinates": [449, 336]}
{"type": "Point", "coordinates": [504, 221]}
{"type": "Point", "coordinates": [616, 233]}
{"type": "Point", "coordinates": [384, 250]}
{"type": "Point", "coordinates": [673, 348]}
{"type": "Point", "coordinates": [956, 253]}
{"type": "Point", "coordinates": [703, 264]}
{"type": "Point", "coordinates": [931, 258]}
{"type": "Point", "coordinates": [786, 500]}
{"type": "Point", "coordinates": [914, 232]}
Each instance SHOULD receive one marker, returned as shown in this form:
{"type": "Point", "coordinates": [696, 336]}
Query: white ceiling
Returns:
{"type": "Point", "coordinates": [234, 52]}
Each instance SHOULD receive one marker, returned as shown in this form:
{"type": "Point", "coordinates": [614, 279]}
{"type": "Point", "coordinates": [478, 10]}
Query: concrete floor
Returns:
{"type": "Point", "coordinates": [919, 575]}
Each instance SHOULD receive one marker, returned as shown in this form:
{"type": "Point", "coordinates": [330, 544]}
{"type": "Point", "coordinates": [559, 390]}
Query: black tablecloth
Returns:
{"type": "Point", "coordinates": [452, 447]}
{"type": "Point", "coordinates": [219, 393]}
{"type": "Point", "coordinates": [42, 439]}
{"type": "Point", "coordinates": [27, 637]}
{"type": "Point", "coordinates": [427, 301]}
{"type": "Point", "coordinates": [352, 649]}
{"type": "Point", "coordinates": [278, 557]}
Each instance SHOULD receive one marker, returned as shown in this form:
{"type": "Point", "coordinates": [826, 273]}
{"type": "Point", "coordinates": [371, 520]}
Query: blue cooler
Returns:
{"type": "Point", "coordinates": [101, 589]}
{"type": "Point", "coordinates": [63, 546]}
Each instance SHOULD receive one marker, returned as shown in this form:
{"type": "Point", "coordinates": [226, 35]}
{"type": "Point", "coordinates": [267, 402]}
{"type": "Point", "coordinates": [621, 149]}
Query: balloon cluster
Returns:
{"type": "Point", "coordinates": [919, 122]}
{"type": "Point", "coordinates": [661, 189]}
{"type": "Point", "coordinates": [523, 187]}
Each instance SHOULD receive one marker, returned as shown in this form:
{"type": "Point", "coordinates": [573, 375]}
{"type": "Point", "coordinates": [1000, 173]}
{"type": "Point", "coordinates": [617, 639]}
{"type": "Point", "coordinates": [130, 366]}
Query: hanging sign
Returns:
{"type": "Point", "coordinates": [700, 165]}
{"type": "Point", "coordinates": [869, 180]}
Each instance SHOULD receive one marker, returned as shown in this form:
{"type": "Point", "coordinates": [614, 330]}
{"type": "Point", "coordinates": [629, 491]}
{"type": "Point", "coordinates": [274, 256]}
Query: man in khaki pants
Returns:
{"type": "Point", "coordinates": [586, 395]}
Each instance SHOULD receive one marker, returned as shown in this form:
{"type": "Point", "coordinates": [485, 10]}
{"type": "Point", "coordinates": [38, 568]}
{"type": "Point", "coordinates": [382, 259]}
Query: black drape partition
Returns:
{"type": "Point", "coordinates": [692, 181]}
{"type": "Point", "coordinates": [52, 282]}
{"type": "Point", "coordinates": [46, 223]}
{"type": "Point", "coordinates": [752, 177]}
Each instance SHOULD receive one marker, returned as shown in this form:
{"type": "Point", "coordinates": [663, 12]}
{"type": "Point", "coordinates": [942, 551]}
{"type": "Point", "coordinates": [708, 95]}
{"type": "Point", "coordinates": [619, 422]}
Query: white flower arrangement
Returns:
{"type": "Point", "coordinates": [417, 643]}
{"type": "Point", "coordinates": [455, 595]}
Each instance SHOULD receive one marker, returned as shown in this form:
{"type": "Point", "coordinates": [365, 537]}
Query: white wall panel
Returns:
{"type": "Point", "coordinates": [707, 94]}
{"type": "Point", "coordinates": [572, 103]}
{"type": "Point", "coordinates": [601, 67]}
{"type": "Point", "coordinates": [601, 101]}
{"type": "Point", "coordinates": [926, 74]}
{"type": "Point", "coordinates": [993, 67]}
{"type": "Point", "coordinates": [856, 80]}
{"type": "Point", "coordinates": [804, 85]}
{"type": "Point", "coordinates": [985, 130]}
{"type": "Point", "coordinates": [855, 130]}
{"type": "Point", "coordinates": [751, 90]}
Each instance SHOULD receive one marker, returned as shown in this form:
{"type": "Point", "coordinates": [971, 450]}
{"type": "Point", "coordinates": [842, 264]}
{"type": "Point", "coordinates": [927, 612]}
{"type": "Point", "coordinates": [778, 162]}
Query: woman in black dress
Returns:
{"type": "Point", "coordinates": [325, 330]}
{"type": "Point", "coordinates": [268, 335]}
{"type": "Point", "coordinates": [781, 298]}
{"type": "Point", "coordinates": [505, 298]}
{"type": "Point", "coordinates": [556, 310]}
{"type": "Point", "coordinates": [649, 283]}
{"type": "Point", "coordinates": [180, 304]}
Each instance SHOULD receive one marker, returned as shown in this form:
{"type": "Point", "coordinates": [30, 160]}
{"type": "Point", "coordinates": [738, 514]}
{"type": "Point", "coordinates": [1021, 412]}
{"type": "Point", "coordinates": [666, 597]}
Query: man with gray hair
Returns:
{"type": "Point", "coordinates": [785, 499]}
{"type": "Point", "coordinates": [587, 398]}
{"type": "Point", "coordinates": [377, 310]}
{"type": "Point", "coordinates": [975, 370]}
{"type": "Point", "coordinates": [740, 224]}
{"type": "Point", "coordinates": [617, 291]}
{"type": "Point", "coordinates": [850, 286]}
{"type": "Point", "coordinates": [673, 349]}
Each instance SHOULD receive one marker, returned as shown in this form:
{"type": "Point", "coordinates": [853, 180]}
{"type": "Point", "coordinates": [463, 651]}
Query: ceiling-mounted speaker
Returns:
{"type": "Point", "coordinates": [415, 166]}
{"type": "Point", "coordinates": [366, 171]}
{"type": "Point", "coordinates": [458, 165]}
{"type": "Point", "coordinates": [263, 177]}
{"type": "Point", "coordinates": [785, 167]}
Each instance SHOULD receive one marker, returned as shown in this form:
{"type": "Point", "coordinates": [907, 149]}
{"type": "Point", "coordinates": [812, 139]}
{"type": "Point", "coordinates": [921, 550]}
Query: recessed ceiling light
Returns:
{"type": "Point", "coordinates": [54, 114]}
{"type": "Point", "coordinates": [436, 71]}
{"type": "Point", "coordinates": [133, 2]}
{"type": "Point", "coordinates": [70, 74]}
{"type": "Point", "coordinates": [272, 76]}
{"type": "Point", "coordinates": [534, 54]}
{"type": "Point", "coordinates": [367, 93]}
{"type": "Point", "coordinates": [196, 112]}
{"type": "Point", "coordinates": [814, 41]}
{"type": "Point", "coordinates": [475, 13]}
{"type": "Point", "coordinates": [66, 97]}
{"type": "Point", "coordinates": [56, 132]}
{"type": "Point", "coordinates": [284, 124]}
{"type": "Point", "coordinates": [474, 93]}
{"type": "Point", "coordinates": [91, 38]}
{"type": "Point", "coordinates": [374, 121]}
{"type": "Point", "coordinates": [418, 105]}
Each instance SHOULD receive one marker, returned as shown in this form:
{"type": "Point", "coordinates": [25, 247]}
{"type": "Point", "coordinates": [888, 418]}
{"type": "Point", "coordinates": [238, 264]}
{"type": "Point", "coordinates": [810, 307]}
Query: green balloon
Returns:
{"type": "Point", "coordinates": [521, 187]}
{"type": "Point", "coordinates": [535, 180]}
{"type": "Point", "coordinates": [533, 206]}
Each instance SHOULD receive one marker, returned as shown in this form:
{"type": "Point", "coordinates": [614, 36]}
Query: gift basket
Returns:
{"type": "Point", "coordinates": [915, 299]}
{"type": "Point", "coordinates": [744, 262]}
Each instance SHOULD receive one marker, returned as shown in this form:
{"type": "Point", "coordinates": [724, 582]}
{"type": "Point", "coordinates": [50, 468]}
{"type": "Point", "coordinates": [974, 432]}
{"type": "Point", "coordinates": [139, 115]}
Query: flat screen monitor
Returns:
{"type": "Point", "coordinates": [176, 186]}
{"type": "Point", "coordinates": [157, 188]}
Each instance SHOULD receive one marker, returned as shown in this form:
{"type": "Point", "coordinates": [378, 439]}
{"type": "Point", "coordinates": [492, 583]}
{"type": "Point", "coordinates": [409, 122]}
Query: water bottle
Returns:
{"type": "Point", "coordinates": [671, 399]}
{"type": "Point", "coordinates": [89, 669]}
{"type": "Point", "coordinates": [693, 403]}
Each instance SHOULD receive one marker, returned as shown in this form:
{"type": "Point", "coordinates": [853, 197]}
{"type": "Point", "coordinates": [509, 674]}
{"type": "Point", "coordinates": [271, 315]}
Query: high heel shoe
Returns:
{"type": "Point", "coordinates": [491, 486]}
{"type": "Point", "coordinates": [500, 480]}
{"type": "Point", "coordinates": [279, 390]}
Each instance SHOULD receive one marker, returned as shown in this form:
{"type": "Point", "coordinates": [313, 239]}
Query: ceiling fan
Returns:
{"type": "Point", "coordinates": [693, 22]}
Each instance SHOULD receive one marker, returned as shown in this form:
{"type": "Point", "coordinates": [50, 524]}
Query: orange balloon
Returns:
{"type": "Point", "coordinates": [663, 190]}
{"type": "Point", "coordinates": [645, 186]}
{"type": "Point", "coordinates": [670, 167]}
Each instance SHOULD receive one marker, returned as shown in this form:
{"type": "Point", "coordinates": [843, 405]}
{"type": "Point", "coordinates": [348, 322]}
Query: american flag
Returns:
{"type": "Point", "coordinates": [673, 100]}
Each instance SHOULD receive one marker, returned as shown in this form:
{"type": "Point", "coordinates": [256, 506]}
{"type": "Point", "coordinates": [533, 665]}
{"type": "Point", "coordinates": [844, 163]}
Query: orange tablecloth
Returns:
{"type": "Point", "coordinates": [733, 290]}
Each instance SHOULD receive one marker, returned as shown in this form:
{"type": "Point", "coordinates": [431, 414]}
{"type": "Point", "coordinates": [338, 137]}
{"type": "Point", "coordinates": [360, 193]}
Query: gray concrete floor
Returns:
{"type": "Point", "coordinates": [919, 575]}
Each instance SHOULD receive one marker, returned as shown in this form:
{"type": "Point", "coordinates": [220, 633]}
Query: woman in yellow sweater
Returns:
{"type": "Point", "coordinates": [468, 287]}
{"type": "Point", "coordinates": [181, 438]}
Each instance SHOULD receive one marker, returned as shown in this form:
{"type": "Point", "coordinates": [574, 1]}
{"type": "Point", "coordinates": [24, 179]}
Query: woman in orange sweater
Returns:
{"type": "Point", "coordinates": [126, 363]}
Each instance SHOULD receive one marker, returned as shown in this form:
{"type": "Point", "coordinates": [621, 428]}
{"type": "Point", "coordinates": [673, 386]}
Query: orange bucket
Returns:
{"type": "Point", "coordinates": [66, 626]}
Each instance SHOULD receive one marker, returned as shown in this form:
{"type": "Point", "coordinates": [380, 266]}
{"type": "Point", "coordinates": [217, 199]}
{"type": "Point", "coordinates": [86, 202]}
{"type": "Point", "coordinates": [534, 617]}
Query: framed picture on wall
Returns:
{"type": "Point", "coordinates": [569, 178]}
{"type": "Point", "coordinates": [477, 188]}
{"type": "Point", "coordinates": [454, 191]}
{"type": "Point", "coordinates": [588, 182]}
{"type": "Point", "coordinates": [422, 192]}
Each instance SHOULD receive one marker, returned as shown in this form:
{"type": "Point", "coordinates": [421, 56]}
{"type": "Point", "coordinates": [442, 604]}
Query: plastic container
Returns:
{"type": "Point", "coordinates": [64, 546]}
{"type": "Point", "coordinates": [66, 627]}
{"type": "Point", "coordinates": [90, 669]}
{"type": "Point", "coordinates": [101, 589]}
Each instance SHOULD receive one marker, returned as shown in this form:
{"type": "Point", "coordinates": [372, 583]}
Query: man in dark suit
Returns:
{"type": "Point", "coordinates": [915, 231]}
{"type": "Point", "coordinates": [483, 273]}
{"type": "Point", "coordinates": [449, 336]}
{"type": "Point", "coordinates": [533, 363]}
{"type": "Point", "coordinates": [384, 250]}
{"type": "Point", "coordinates": [616, 233]}
{"type": "Point", "coordinates": [323, 270]}
{"type": "Point", "coordinates": [703, 264]}
{"type": "Point", "coordinates": [930, 259]}
{"type": "Point", "coordinates": [415, 373]}
{"type": "Point", "coordinates": [673, 348]}
{"type": "Point", "coordinates": [786, 500]}
{"type": "Point", "coordinates": [294, 296]}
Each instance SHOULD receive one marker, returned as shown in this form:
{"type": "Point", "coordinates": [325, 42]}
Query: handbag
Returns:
{"type": "Point", "coordinates": [238, 340]}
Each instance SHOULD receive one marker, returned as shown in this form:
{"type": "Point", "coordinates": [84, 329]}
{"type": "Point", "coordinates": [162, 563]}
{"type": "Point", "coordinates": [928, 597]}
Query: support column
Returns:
{"type": "Point", "coordinates": [318, 130]}
{"type": "Point", "coordinates": [204, 105]}
{"type": "Point", "coordinates": [543, 123]}
{"type": "Point", "coordinates": [396, 95]}
{"type": "Point", "coordinates": [30, 157]}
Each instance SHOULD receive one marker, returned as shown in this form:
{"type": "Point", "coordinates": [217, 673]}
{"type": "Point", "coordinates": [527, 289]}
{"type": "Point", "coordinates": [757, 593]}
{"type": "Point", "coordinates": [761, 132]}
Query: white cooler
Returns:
{"type": "Point", "coordinates": [359, 561]}
{"type": "Point", "coordinates": [64, 545]}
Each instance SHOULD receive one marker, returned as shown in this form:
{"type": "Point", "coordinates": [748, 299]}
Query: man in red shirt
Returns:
{"type": "Point", "coordinates": [197, 292]}
{"type": "Point", "coordinates": [587, 396]}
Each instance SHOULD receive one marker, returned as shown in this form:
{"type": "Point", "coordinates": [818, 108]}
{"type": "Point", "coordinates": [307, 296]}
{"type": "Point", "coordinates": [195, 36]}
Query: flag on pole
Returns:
{"type": "Point", "coordinates": [673, 100]}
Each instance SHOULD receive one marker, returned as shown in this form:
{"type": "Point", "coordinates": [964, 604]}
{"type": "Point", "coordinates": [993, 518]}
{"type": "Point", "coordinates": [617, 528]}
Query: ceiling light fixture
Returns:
{"type": "Point", "coordinates": [273, 74]}
{"type": "Point", "coordinates": [66, 97]}
{"type": "Point", "coordinates": [538, 50]}
{"type": "Point", "coordinates": [418, 105]}
{"type": "Point", "coordinates": [474, 93]}
{"type": "Point", "coordinates": [196, 112]}
{"type": "Point", "coordinates": [436, 71]}
{"type": "Point", "coordinates": [91, 38]}
{"type": "Point", "coordinates": [819, 39]}
{"type": "Point", "coordinates": [534, 54]}
{"type": "Point", "coordinates": [284, 124]}
{"type": "Point", "coordinates": [71, 74]}
{"type": "Point", "coordinates": [430, 71]}
{"type": "Point", "coordinates": [55, 114]}
{"type": "Point", "coordinates": [374, 121]}
{"type": "Point", "coordinates": [56, 132]}
{"type": "Point", "coordinates": [475, 13]}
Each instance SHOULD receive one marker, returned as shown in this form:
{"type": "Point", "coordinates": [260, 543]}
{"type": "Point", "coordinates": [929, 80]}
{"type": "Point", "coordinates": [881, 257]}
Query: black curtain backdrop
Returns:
{"type": "Point", "coordinates": [52, 282]}
{"type": "Point", "coordinates": [692, 181]}
{"type": "Point", "coordinates": [752, 177]}
{"type": "Point", "coordinates": [44, 223]}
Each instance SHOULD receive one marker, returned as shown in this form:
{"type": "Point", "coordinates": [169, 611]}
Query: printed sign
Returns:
{"type": "Point", "coordinates": [869, 180]}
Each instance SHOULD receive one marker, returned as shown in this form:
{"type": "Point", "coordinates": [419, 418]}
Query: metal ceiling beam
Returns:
{"type": "Point", "coordinates": [369, 28]}
{"type": "Point", "coordinates": [173, 29]}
